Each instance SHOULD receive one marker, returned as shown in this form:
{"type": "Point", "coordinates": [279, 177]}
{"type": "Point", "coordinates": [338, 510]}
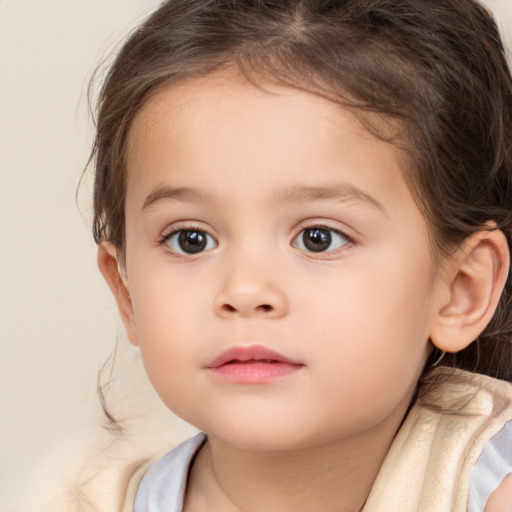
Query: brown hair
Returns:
{"type": "Point", "coordinates": [435, 69]}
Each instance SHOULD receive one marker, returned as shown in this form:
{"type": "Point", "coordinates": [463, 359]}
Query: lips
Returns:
{"type": "Point", "coordinates": [252, 365]}
{"type": "Point", "coordinates": [250, 355]}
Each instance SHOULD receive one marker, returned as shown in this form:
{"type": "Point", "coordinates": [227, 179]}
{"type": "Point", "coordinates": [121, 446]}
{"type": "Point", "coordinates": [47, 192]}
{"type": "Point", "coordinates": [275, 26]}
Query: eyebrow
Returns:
{"type": "Point", "coordinates": [342, 192]}
{"type": "Point", "coordinates": [165, 192]}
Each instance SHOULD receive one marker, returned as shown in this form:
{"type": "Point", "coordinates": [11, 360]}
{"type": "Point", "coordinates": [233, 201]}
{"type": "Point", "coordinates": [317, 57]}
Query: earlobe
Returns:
{"type": "Point", "coordinates": [114, 275]}
{"type": "Point", "coordinates": [476, 276]}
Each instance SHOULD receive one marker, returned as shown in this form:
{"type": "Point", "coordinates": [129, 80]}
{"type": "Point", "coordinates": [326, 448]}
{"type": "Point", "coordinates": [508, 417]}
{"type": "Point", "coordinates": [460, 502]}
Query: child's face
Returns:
{"type": "Point", "coordinates": [302, 238]}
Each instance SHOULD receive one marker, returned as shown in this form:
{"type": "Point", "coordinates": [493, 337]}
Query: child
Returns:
{"type": "Point", "coordinates": [303, 209]}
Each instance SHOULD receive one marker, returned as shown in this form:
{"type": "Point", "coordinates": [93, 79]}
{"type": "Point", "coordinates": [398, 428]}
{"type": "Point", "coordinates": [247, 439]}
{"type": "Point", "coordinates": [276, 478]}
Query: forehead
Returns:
{"type": "Point", "coordinates": [221, 130]}
{"type": "Point", "coordinates": [213, 105]}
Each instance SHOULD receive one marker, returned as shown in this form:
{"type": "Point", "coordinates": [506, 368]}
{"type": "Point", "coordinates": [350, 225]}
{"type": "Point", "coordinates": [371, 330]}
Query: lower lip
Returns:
{"type": "Point", "coordinates": [254, 373]}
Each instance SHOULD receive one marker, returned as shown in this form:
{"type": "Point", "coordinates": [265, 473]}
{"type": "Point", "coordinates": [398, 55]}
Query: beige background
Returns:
{"type": "Point", "coordinates": [58, 322]}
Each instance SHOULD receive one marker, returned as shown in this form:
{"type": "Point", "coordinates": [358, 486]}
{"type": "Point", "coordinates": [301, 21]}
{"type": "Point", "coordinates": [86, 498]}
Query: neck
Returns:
{"type": "Point", "coordinates": [332, 476]}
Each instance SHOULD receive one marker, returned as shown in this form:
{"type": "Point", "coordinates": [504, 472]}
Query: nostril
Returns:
{"type": "Point", "coordinates": [246, 309]}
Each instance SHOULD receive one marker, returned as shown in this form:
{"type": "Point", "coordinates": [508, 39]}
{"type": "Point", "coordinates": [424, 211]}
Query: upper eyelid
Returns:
{"type": "Point", "coordinates": [327, 228]}
{"type": "Point", "coordinates": [310, 225]}
{"type": "Point", "coordinates": [178, 226]}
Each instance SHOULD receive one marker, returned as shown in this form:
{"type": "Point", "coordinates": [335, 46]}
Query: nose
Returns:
{"type": "Point", "coordinates": [250, 291]}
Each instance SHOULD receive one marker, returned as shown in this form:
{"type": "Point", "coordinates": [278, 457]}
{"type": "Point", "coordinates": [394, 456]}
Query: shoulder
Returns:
{"type": "Point", "coordinates": [483, 407]}
{"type": "Point", "coordinates": [98, 482]}
{"type": "Point", "coordinates": [105, 473]}
{"type": "Point", "coordinates": [457, 414]}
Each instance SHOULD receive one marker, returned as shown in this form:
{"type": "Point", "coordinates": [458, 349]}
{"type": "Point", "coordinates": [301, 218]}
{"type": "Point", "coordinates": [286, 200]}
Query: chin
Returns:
{"type": "Point", "coordinates": [251, 435]}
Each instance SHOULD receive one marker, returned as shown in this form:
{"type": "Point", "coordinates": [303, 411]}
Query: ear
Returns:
{"type": "Point", "coordinates": [474, 280]}
{"type": "Point", "coordinates": [113, 273]}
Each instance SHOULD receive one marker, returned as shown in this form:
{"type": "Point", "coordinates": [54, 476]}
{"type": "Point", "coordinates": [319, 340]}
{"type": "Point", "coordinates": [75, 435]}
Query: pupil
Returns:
{"type": "Point", "coordinates": [192, 241]}
{"type": "Point", "coordinates": [317, 239]}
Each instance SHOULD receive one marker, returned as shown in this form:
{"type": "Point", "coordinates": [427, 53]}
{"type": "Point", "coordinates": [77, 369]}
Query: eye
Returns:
{"type": "Point", "coordinates": [320, 239]}
{"type": "Point", "coordinates": [190, 241]}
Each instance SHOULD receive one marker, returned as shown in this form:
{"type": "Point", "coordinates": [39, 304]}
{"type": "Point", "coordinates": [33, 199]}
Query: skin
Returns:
{"type": "Point", "coordinates": [358, 316]}
{"type": "Point", "coordinates": [501, 499]}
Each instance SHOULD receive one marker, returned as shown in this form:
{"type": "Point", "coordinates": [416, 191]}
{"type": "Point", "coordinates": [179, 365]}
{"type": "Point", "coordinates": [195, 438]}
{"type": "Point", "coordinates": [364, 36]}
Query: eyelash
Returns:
{"type": "Point", "coordinates": [167, 237]}
{"type": "Point", "coordinates": [349, 242]}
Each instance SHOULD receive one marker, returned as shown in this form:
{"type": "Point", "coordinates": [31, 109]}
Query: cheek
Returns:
{"type": "Point", "coordinates": [169, 330]}
{"type": "Point", "coordinates": [377, 322]}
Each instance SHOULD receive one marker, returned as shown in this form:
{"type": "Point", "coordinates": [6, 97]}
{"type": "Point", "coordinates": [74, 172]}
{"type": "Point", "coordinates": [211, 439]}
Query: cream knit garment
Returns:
{"type": "Point", "coordinates": [427, 468]}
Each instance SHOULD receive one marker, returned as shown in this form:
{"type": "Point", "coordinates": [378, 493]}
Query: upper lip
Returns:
{"type": "Point", "coordinates": [249, 353]}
